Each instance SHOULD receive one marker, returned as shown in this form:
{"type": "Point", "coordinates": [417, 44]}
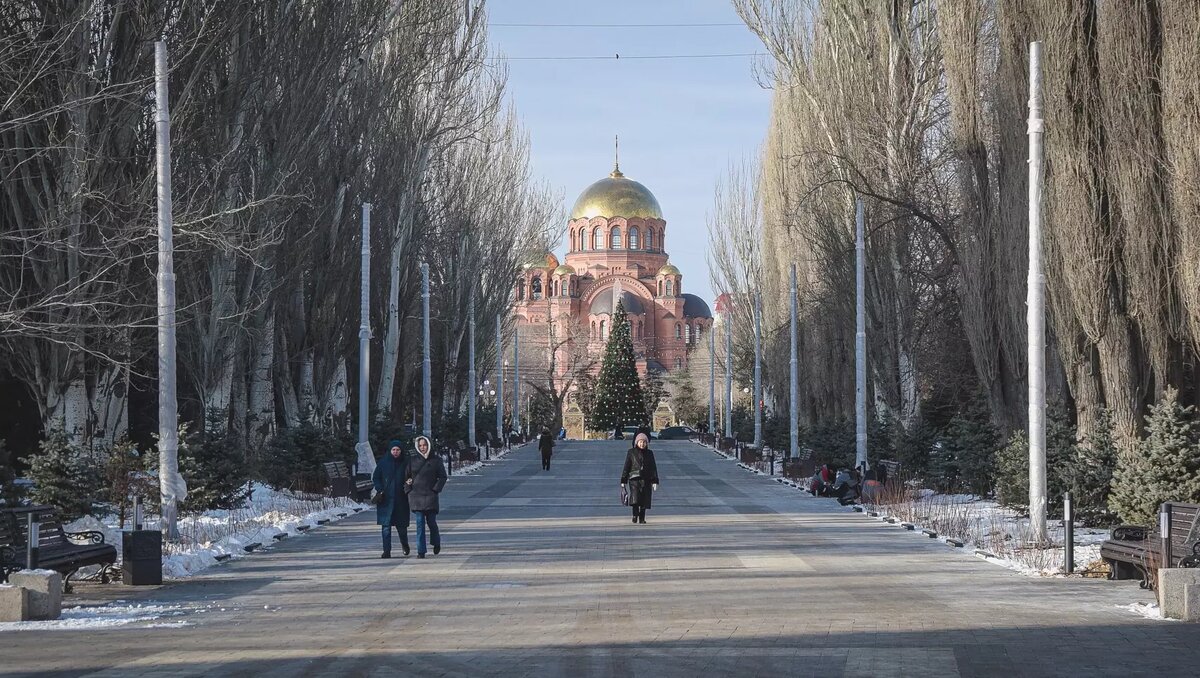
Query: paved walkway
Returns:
{"type": "Point", "coordinates": [543, 574]}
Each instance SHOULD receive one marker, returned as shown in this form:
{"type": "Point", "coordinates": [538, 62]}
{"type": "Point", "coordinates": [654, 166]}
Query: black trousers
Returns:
{"type": "Point", "coordinates": [545, 462]}
{"type": "Point", "coordinates": [639, 511]}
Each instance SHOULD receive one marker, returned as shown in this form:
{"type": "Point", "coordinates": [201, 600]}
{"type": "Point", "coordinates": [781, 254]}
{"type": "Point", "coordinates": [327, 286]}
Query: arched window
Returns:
{"type": "Point", "coordinates": [573, 240]}
{"type": "Point", "coordinates": [556, 288]}
{"type": "Point", "coordinates": [536, 289]}
{"type": "Point", "coordinates": [687, 333]}
{"type": "Point", "coordinates": [678, 331]}
{"type": "Point", "coordinates": [699, 331]}
{"type": "Point", "coordinates": [582, 239]}
{"type": "Point", "coordinates": [593, 334]}
{"type": "Point", "coordinates": [649, 238]}
{"type": "Point", "coordinates": [633, 238]}
{"type": "Point", "coordinates": [660, 288]}
{"type": "Point", "coordinates": [566, 287]}
{"type": "Point", "coordinates": [615, 240]}
{"type": "Point", "coordinates": [597, 239]}
{"type": "Point", "coordinates": [521, 290]}
{"type": "Point", "coordinates": [669, 288]}
{"type": "Point", "coordinates": [603, 331]}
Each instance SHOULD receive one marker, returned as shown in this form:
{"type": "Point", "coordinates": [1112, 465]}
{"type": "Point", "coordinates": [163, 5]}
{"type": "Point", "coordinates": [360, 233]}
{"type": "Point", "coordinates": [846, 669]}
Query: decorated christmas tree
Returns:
{"type": "Point", "coordinates": [618, 394]}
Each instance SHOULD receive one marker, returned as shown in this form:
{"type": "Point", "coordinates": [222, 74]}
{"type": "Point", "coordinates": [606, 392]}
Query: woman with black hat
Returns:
{"type": "Point", "coordinates": [640, 476]}
{"type": "Point", "coordinates": [391, 509]}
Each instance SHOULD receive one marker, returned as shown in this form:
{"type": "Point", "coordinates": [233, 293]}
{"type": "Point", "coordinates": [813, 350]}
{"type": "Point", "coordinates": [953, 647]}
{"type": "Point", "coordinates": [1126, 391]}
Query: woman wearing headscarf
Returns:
{"type": "Point", "coordinates": [640, 476]}
{"type": "Point", "coordinates": [424, 480]}
{"type": "Point", "coordinates": [392, 511]}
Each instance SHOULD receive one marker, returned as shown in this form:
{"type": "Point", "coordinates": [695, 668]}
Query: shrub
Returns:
{"type": "Point", "coordinates": [1062, 463]}
{"type": "Point", "coordinates": [10, 494]}
{"type": "Point", "coordinates": [1095, 459]}
{"type": "Point", "coordinates": [295, 457]}
{"type": "Point", "coordinates": [63, 477]}
{"type": "Point", "coordinates": [128, 474]}
{"type": "Point", "coordinates": [1165, 466]}
{"type": "Point", "coordinates": [832, 442]}
{"type": "Point", "coordinates": [214, 466]}
{"type": "Point", "coordinates": [964, 458]}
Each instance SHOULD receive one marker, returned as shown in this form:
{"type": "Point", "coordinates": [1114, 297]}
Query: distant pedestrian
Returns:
{"type": "Point", "coordinates": [392, 510]}
{"type": "Point", "coordinates": [640, 476]}
{"type": "Point", "coordinates": [424, 480]}
{"type": "Point", "coordinates": [546, 445]}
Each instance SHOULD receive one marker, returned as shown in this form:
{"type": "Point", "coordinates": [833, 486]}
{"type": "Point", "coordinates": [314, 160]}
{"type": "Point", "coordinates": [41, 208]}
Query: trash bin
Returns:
{"type": "Point", "coordinates": [141, 555]}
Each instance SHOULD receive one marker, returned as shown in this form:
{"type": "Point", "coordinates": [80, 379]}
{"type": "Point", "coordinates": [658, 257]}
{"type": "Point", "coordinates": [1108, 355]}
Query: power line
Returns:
{"type": "Point", "coordinates": [714, 25]}
{"type": "Point", "coordinates": [618, 57]}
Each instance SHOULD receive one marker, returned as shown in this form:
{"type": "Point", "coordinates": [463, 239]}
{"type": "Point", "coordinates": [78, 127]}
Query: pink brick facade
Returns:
{"type": "Point", "coordinates": [610, 252]}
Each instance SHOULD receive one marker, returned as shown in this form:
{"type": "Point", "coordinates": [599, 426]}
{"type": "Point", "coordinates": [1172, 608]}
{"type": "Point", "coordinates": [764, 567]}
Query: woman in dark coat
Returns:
{"type": "Point", "coordinates": [640, 476]}
{"type": "Point", "coordinates": [546, 445]}
{"type": "Point", "coordinates": [393, 510]}
{"type": "Point", "coordinates": [424, 480]}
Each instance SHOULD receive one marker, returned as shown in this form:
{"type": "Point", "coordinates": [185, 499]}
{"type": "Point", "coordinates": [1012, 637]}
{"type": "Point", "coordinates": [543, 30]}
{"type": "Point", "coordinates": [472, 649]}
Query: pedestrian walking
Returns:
{"type": "Point", "coordinates": [546, 445]}
{"type": "Point", "coordinates": [639, 477]}
{"type": "Point", "coordinates": [424, 480]}
{"type": "Point", "coordinates": [391, 507]}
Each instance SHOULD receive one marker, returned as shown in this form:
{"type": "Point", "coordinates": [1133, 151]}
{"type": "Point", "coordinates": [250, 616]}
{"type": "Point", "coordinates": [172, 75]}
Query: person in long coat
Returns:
{"type": "Point", "coordinates": [546, 445]}
{"type": "Point", "coordinates": [393, 511]}
{"type": "Point", "coordinates": [424, 480]}
{"type": "Point", "coordinates": [640, 476]}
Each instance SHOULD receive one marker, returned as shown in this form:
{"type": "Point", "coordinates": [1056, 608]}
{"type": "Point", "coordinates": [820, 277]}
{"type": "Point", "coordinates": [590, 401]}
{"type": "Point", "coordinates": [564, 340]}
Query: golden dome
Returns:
{"type": "Point", "coordinates": [547, 261]}
{"type": "Point", "coordinates": [616, 196]}
{"type": "Point", "coordinates": [669, 269]}
{"type": "Point", "coordinates": [564, 270]}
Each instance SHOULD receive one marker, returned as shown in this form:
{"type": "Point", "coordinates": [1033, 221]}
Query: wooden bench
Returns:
{"type": "Point", "coordinates": [58, 550]}
{"type": "Point", "coordinates": [801, 466]}
{"type": "Point", "coordinates": [749, 455]}
{"type": "Point", "coordinates": [467, 455]}
{"type": "Point", "coordinates": [1134, 551]}
{"type": "Point", "coordinates": [342, 484]}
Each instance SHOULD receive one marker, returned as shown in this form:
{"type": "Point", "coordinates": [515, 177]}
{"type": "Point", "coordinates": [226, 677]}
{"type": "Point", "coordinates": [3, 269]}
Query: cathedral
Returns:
{"type": "Point", "coordinates": [616, 251]}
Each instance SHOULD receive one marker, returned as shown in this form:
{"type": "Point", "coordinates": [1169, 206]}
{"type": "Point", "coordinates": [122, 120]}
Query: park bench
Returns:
{"type": "Point", "coordinates": [801, 466]}
{"type": "Point", "coordinates": [342, 484]}
{"type": "Point", "coordinates": [749, 455]}
{"type": "Point", "coordinates": [1134, 551]}
{"type": "Point", "coordinates": [467, 454]}
{"type": "Point", "coordinates": [58, 550]}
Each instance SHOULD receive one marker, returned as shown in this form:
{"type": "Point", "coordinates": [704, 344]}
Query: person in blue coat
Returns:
{"type": "Point", "coordinates": [393, 510]}
{"type": "Point", "coordinates": [424, 480]}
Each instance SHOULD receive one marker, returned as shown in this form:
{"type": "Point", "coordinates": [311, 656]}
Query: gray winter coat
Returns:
{"type": "Point", "coordinates": [428, 476]}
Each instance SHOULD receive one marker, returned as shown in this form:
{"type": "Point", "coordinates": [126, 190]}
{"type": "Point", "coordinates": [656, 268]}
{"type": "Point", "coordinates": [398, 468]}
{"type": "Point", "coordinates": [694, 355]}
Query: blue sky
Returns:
{"type": "Point", "coordinates": [681, 121]}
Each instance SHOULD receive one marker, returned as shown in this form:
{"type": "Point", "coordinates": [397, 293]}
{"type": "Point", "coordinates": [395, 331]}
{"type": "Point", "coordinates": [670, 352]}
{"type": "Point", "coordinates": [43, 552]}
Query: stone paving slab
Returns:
{"type": "Point", "coordinates": [544, 575]}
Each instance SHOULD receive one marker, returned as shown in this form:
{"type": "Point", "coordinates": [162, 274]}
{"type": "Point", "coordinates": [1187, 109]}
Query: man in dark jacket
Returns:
{"type": "Point", "coordinates": [424, 480]}
{"type": "Point", "coordinates": [388, 480]}
{"type": "Point", "coordinates": [546, 445]}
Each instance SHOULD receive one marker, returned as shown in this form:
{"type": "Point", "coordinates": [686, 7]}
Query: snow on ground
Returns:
{"type": "Point", "coordinates": [1147, 610]}
{"type": "Point", "coordinates": [1001, 534]}
{"type": "Point", "coordinates": [117, 613]}
{"type": "Point", "coordinates": [211, 537]}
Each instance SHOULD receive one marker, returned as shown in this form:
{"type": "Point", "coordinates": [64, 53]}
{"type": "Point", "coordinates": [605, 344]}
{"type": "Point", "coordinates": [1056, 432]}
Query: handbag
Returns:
{"type": "Point", "coordinates": [624, 496]}
{"type": "Point", "coordinates": [377, 498]}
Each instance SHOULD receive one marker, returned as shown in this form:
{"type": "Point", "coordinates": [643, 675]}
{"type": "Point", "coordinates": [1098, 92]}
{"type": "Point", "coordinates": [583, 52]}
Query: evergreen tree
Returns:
{"type": "Point", "coordinates": [214, 465]}
{"type": "Point", "coordinates": [9, 493]}
{"type": "Point", "coordinates": [62, 478]}
{"type": "Point", "coordinates": [1165, 466]}
{"type": "Point", "coordinates": [618, 393]}
{"type": "Point", "coordinates": [654, 391]}
{"type": "Point", "coordinates": [1092, 473]}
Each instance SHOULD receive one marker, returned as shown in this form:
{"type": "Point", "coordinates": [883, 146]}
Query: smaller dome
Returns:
{"type": "Point", "coordinates": [603, 303]}
{"type": "Point", "coordinates": [695, 307]}
{"type": "Point", "coordinates": [564, 270]}
{"type": "Point", "coordinates": [669, 269]}
{"type": "Point", "coordinates": [546, 261]}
